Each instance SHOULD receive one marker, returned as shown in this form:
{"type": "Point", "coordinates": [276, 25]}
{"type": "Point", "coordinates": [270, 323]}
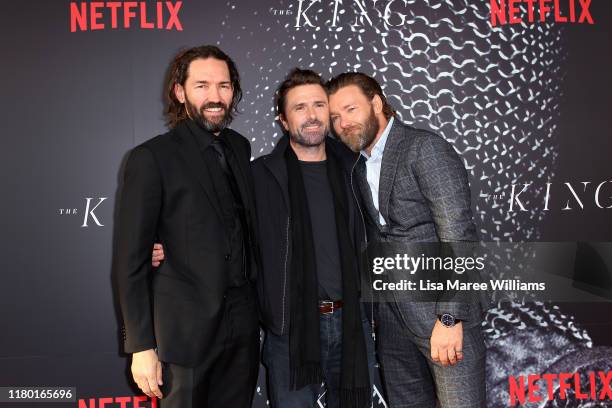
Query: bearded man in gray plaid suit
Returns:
{"type": "Point", "coordinates": [414, 188]}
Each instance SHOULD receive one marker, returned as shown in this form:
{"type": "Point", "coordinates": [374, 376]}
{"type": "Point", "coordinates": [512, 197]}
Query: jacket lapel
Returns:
{"type": "Point", "coordinates": [390, 161]}
{"type": "Point", "coordinates": [275, 162]}
{"type": "Point", "coordinates": [366, 193]}
{"type": "Point", "coordinates": [242, 176]}
{"type": "Point", "coordinates": [190, 152]}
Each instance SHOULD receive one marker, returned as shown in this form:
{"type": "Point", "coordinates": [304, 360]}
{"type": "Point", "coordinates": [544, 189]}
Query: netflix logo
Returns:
{"type": "Point", "coordinates": [100, 15]}
{"type": "Point", "coordinates": [536, 388]}
{"type": "Point", "coordinates": [140, 401]}
{"type": "Point", "coordinates": [531, 11]}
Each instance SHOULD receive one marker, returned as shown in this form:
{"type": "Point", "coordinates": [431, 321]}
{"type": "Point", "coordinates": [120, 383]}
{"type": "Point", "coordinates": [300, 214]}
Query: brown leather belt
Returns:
{"type": "Point", "coordinates": [328, 307]}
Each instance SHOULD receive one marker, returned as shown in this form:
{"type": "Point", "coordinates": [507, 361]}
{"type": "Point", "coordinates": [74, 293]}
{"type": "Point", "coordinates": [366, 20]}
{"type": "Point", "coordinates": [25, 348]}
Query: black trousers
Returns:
{"type": "Point", "coordinates": [228, 374]}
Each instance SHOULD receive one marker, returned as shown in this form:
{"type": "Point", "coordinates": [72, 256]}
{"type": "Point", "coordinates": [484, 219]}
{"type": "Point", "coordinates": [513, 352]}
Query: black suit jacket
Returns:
{"type": "Point", "coordinates": [168, 196]}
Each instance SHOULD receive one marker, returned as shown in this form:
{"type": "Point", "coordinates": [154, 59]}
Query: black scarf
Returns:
{"type": "Point", "coordinates": [304, 336]}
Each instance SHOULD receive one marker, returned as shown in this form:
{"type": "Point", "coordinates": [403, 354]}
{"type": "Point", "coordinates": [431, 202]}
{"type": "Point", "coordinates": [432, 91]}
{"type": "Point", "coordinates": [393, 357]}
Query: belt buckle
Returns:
{"type": "Point", "coordinates": [328, 302]}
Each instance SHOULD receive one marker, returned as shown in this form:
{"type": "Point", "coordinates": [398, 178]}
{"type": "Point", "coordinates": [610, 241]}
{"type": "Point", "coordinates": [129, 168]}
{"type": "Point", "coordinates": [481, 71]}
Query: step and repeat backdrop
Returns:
{"type": "Point", "coordinates": [520, 88]}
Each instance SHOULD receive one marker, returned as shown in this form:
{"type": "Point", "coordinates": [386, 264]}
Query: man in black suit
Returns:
{"type": "Point", "coordinates": [192, 326]}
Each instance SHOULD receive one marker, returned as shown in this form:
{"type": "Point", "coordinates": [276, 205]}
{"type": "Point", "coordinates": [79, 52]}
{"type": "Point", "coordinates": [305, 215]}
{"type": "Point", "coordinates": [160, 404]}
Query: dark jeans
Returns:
{"type": "Point", "coordinates": [276, 360]}
{"type": "Point", "coordinates": [228, 374]}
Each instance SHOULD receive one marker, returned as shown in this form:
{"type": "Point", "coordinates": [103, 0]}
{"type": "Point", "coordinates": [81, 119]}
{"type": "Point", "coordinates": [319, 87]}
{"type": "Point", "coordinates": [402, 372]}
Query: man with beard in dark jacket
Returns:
{"type": "Point", "coordinates": [191, 325]}
{"type": "Point", "coordinates": [310, 236]}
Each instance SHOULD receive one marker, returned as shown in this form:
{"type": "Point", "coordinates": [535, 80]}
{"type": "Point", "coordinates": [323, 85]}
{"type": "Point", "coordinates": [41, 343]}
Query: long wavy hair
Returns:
{"type": "Point", "coordinates": [174, 110]}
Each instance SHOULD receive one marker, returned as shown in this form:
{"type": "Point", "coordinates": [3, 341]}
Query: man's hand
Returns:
{"type": "Point", "coordinates": [147, 372]}
{"type": "Point", "coordinates": [158, 255]}
{"type": "Point", "coordinates": [446, 343]}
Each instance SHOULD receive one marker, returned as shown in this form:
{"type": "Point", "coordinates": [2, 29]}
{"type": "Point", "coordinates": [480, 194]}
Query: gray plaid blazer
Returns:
{"type": "Point", "coordinates": [424, 196]}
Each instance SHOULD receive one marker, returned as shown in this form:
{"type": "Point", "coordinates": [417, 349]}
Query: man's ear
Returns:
{"type": "Point", "coordinates": [283, 122]}
{"type": "Point", "coordinates": [377, 103]}
{"type": "Point", "coordinates": [179, 92]}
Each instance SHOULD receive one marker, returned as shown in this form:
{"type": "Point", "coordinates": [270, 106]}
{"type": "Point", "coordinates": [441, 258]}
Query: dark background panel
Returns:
{"type": "Point", "coordinates": [66, 121]}
{"type": "Point", "coordinates": [585, 151]}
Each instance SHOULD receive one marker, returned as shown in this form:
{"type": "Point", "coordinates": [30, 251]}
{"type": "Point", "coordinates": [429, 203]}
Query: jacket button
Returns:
{"type": "Point", "coordinates": [228, 257]}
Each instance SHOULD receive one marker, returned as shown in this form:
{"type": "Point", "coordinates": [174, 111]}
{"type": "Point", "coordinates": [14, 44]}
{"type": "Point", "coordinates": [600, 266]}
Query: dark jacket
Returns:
{"type": "Point", "coordinates": [168, 195]}
{"type": "Point", "coordinates": [274, 221]}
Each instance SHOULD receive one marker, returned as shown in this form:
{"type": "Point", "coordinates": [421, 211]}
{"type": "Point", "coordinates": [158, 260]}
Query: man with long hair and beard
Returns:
{"type": "Point", "coordinates": [414, 189]}
{"type": "Point", "coordinates": [192, 326]}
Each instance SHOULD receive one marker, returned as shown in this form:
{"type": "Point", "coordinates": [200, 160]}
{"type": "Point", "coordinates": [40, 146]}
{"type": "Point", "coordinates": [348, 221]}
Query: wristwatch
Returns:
{"type": "Point", "coordinates": [448, 320]}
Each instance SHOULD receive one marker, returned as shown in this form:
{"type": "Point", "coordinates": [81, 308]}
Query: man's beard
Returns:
{"type": "Point", "coordinates": [199, 116]}
{"type": "Point", "coordinates": [358, 139]}
{"type": "Point", "coordinates": [309, 139]}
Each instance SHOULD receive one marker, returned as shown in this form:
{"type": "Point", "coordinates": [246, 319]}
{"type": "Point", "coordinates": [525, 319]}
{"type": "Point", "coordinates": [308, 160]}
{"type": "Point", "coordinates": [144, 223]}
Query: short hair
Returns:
{"type": "Point", "coordinates": [294, 78]}
{"type": "Point", "coordinates": [177, 74]}
{"type": "Point", "coordinates": [368, 85]}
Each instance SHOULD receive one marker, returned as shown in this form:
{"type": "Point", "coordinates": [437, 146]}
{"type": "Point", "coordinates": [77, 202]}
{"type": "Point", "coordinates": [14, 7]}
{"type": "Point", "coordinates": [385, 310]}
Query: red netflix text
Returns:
{"type": "Point", "coordinates": [100, 15]}
{"type": "Point", "coordinates": [511, 12]}
{"type": "Point", "coordinates": [536, 388]}
{"type": "Point", "coordinates": [140, 401]}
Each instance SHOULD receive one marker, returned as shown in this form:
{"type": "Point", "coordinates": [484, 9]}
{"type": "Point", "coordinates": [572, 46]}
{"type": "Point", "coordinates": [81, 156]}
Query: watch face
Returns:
{"type": "Point", "coordinates": [447, 320]}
